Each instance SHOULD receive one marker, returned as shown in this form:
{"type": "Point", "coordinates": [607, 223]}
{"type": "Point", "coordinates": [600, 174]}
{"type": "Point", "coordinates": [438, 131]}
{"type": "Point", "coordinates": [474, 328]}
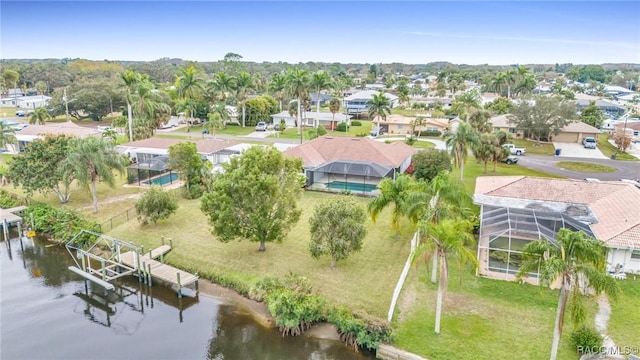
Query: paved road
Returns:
{"type": "Point", "coordinates": [625, 169]}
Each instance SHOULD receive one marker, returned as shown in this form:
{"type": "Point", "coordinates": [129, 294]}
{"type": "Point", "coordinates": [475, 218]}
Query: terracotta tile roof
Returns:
{"type": "Point", "coordinates": [501, 121]}
{"type": "Point", "coordinates": [66, 128]}
{"type": "Point", "coordinates": [630, 125]}
{"type": "Point", "coordinates": [406, 120]}
{"type": "Point", "coordinates": [615, 204]}
{"type": "Point", "coordinates": [204, 146]}
{"type": "Point", "coordinates": [329, 148]}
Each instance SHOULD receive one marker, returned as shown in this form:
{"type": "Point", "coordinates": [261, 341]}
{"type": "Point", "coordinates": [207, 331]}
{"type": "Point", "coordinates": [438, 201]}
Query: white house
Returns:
{"type": "Point", "coordinates": [312, 118]}
{"type": "Point", "coordinates": [357, 103]}
{"type": "Point", "coordinates": [32, 132]}
{"type": "Point", "coordinates": [26, 102]}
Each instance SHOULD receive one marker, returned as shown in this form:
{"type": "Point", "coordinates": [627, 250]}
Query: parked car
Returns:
{"type": "Point", "coordinates": [262, 126]}
{"type": "Point", "coordinates": [103, 128]}
{"type": "Point", "coordinates": [509, 160]}
{"type": "Point", "coordinates": [20, 127]}
{"type": "Point", "coordinates": [515, 150]}
{"type": "Point", "coordinates": [276, 127]}
{"type": "Point", "coordinates": [589, 143]}
{"type": "Point", "coordinates": [21, 113]}
{"type": "Point", "coordinates": [377, 131]}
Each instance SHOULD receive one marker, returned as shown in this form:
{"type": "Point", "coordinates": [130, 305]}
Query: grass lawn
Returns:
{"type": "Point", "coordinates": [491, 319]}
{"type": "Point", "coordinates": [608, 149]}
{"type": "Point", "coordinates": [353, 131]}
{"type": "Point", "coordinates": [196, 130]}
{"type": "Point", "coordinates": [584, 166]}
{"type": "Point", "coordinates": [530, 146]}
{"type": "Point", "coordinates": [420, 144]}
{"type": "Point", "coordinates": [364, 282]}
{"type": "Point", "coordinates": [624, 324]}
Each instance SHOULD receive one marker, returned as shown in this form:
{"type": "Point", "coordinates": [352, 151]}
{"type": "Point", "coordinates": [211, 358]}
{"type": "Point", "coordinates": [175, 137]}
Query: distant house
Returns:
{"type": "Point", "coordinates": [618, 90]}
{"type": "Point", "coordinates": [515, 210]}
{"type": "Point", "coordinates": [312, 119]}
{"type": "Point", "coordinates": [335, 163]}
{"type": "Point", "coordinates": [26, 102]}
{"type": "Point", "coordinates": [632, 130]}
{"type": "Point", "coordinates": [398, 124]}
{"type": "Point", "coordinates": [356, 103]}
{"type": "Point", "coordinates": [574, 132]}
{"type": "Point", "coordinates": [501, 123]}
{"type": "Point", "coordinates": [606, 106]}
{"type": "Point", "coordinates": [32, 132]}
{"type": "Point", "coordinates": [323, 98]}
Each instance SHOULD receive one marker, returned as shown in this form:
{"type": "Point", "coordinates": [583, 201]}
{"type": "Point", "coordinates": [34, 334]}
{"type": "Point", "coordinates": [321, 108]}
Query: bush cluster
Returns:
{"type": "Point", "coordinates": [357, 331]}
{"type": "Point", "coordinates": [586, 338]}
{"type": "Point", "coordinates": [8, 200]}
{"type": "Point", "coordinates": [342, 127]}
{"type": "Point", "coordinates": [434, 133]}
{"type": "Point", "coordinates": [60, 224]}
{"type": "Point", "coordinates": [356, 123]}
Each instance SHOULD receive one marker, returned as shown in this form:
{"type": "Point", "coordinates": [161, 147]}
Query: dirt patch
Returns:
{"type": "Point", "coordinates": [324, 331]}
{"type": "Point", "coordinates": [408, 298]}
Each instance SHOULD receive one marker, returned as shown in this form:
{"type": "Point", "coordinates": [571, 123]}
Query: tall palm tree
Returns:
{"type": "Point", "coordinates": [379, 107]}
{"type": "Point", "coordinates": [499, 83]}
{"type": "Point", "coordinates": [499, 151]}
{"type": "Point", "coordinates": [244, 84]}
{"type": "Point", "coordinates": [392, 191]}
{"type": "Point", "coordinates": [7, 136]}
{"type": "Point", "coordinates": [189, 86]}
{"type": "Point", "coordinates": [39, 116]}
{"type": "Point", "coordinates": [525, 85]}
{"type": "Point", "coordinates": [448, 240]}
{"type": "Point", "coordinates": [223, 114]}
{"type": "Point", "coordinates": [297, 81]}
{"type": "Point", "coordinates": [466, 102]}
{"type": "Point", "coordinates": [334, 107]}
{"type": "Point", "coordinates": [91, 159]}
{"type": "Point", "coordinates": [131, 80]}
{"type": "Point", "coordinates": [418, 122]}
{"type": "Point", "coordinates": [579, 262]}
{"type": "Point", "coordinates": [480, 121]}
{"type": "Point", "coordinates": [320, 81]}
{"type": "Point", "coordinates": [222, 85]}
{"type": "Point", "coordinates": [277, 85]}
{"type": "Point", "coordinates": [460, 142]}
{"type": "Point", "coordinates": [148, 107]}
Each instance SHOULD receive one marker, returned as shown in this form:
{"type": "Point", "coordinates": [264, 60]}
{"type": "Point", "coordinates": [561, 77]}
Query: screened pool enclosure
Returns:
{"type": "Point", "coordinates": [504, 232]}
{"type": "Point", "coordinates": [152, 171]}
{"type": "Point", "coordinates": [358, 177]}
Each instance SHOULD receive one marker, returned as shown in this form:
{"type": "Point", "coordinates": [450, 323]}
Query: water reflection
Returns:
{"type": "Point", "coordinates": [48, 312]}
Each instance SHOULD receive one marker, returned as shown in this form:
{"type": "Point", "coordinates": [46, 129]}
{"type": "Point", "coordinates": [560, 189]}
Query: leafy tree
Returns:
{"type": "Point", "coordinates": [484, 150]}
{"type": "Point", "coordinates": [460, 142]}
{"type": "Point", "coordinates": [447, 240]}
{"type": "Point", "coordinates": [7, 136]}
{"type": "Point", "coordinates": [379, 107]}
{"type": "Point", "coordinates": [10, 78]}
{"type": "Point", "coordinates": [548, 115]}
{"type": "Point", "coordinates": [260, 108]}
{"type": "Point", "coordinates": [38, 167]}
{"type": "Point", "coordinates": [592, 115]}
{"type": "Point", "coordinates": [337, 228]}
{"type": "Point", "coordinates": [391, 191]}
{"type": "Point", "coordinates": [621, 139]}
{"type": "Point", "coordinates": [258, 174]}
{"type": "Point", "coordinates": [500, 106]}
{"type": "Point", "coordinates": [578, 262]}
{"type": "Point", "coordinates": [479, 121]}
{"type": "Point", "coordinates": [155, 204]}
{"type": "Point", "coordinates": [39, 116]}
{"type": "Point", "coordinates": [90, 159]}
{"type": "Point", "coordinates": [184, 159]}
{"type": "Point", "coordinates": [427, 164]}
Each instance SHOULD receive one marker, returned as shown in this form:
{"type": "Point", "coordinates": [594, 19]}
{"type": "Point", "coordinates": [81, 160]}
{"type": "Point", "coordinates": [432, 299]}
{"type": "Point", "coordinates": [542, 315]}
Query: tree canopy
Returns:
{"type": "Point", "coordinates": [155, 204]}
{"type": "Point", "coordinates": [546, 116]}
{"type": "Point", "coordinates": [255, 197]}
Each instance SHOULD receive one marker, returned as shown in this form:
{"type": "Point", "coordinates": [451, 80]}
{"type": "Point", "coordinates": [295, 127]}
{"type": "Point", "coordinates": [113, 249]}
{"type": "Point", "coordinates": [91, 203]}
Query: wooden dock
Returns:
{"type": "Point", "coordinates": [157, 269]}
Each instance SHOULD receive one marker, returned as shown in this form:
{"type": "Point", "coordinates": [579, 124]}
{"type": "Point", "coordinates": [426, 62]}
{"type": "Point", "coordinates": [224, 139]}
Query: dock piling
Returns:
{"type": "Point", "coordinates": [179, 286]}
{"type": "Point", "coordinates": [149, 272]}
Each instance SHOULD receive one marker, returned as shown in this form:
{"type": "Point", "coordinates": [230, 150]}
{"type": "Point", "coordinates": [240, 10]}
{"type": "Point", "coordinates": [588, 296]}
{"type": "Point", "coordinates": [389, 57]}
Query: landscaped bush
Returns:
{"type": "Point", "coordinates": [362, 134]}
{"type": "Point", "coordinates": [410, 141]}
{"type": "Point", "coordinates": [60, 224]}
{"type": "Point", "coordinates": [434, 133]}
{"type": "Point", "coordinates": [320, 130]}
{"type": "Point", "coordinates": [356, 123]}
{"type": "Point", "coordinates": [358, 332]}
{"type": "Point", "coordinates": [342, 127]}
{"type": "Point", "coordinates": [8, 200]}
{"type": "Point", "coordinates": [586, 340]}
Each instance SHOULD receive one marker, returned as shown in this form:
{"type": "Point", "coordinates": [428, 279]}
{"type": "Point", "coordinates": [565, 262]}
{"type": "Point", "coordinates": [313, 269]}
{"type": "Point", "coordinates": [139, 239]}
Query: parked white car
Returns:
{"type": "Point", "coordinates": [589, 143]}
{"type": "Point", "coordinates": [515, 150]}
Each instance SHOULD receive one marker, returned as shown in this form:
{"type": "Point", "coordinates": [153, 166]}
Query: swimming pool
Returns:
{"type": "Point", "coordinates": [345, 185]}
{"type": "Point", "coordinates": [163, 180]}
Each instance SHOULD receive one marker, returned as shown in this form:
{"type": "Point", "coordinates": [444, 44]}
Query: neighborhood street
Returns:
{"type": "Point", "coordinates": [626, 169]}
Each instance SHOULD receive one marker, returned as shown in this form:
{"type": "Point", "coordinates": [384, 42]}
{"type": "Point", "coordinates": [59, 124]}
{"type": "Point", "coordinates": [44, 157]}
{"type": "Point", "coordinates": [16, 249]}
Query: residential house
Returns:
{"type": "Point", "coordinates": [398, 124]}
{"type": "Point", "coordinates": [356, 103]}
{"type": "Point", "coordinates": [632, 129]}
{"type": "Point", "coordinates": [350, 164]}
{"type": "Point", "coordinates": [322, 98]}
{"type": "Point", "coordinates": [574, 132]}
{"type": "Point", "coordinates": [26, 102]}
{"type": "Point", "coordinates": [32, 132]}
{"type": "Point", "coordinates": [618, 90]}
{"type": "Point", "coordinates": [515, 210]}
{"type": "Point", "coordinates": [606, 106]}
{"type": "Point", "coordinates": [501, 123]}
{"type": "Point", "coordinates": [328, 120]}
{"type": "Point", "coordinates": [486, 98]}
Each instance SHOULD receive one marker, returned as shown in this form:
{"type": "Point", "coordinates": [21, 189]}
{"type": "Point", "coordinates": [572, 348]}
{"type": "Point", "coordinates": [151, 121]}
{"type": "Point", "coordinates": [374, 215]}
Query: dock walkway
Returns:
{"type": "Point", "coordinates": [157, 269]}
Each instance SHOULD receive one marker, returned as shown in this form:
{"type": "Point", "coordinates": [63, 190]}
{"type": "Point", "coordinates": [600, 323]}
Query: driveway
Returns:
{"type": "Point", "coordinates": [575, 150]}
{"type": "Point", "coordinates": [260, 134]}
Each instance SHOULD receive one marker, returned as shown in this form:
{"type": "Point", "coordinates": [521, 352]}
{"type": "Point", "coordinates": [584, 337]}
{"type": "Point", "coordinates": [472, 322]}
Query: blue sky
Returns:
{"type": "Point", "coordinates": [476, 32]}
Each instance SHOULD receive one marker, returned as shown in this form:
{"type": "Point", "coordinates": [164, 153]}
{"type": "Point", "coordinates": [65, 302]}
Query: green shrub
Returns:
{"type": "Point", "coordinates": [433, 133]}
{"type": "Point", "coordinates": [356, 123]}
{"type": "Point", "coordinates": [362, 134]}
{"type": "Point", "coordinates": [342, 127]}
{"type": "Point", "coordinates": [8, 200]}
{"type": "Point", "coordinates": [586, 340]}
{"type": "Point", "coordinates": [410, 141]}
{"type": "Point", "coordinates": [356, 331]}
{"type": "Point", "coordinates": [60, 224]}
{"type": "Point", "coordinates": [320, 130]}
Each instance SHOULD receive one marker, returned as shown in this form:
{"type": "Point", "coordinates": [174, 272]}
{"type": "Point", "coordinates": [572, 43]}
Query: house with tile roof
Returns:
{"type": "Point", "coordinates": [398, 124]}
{"type": "Point", "coordinates": [516, 210]}
{"type": "Point", "coordinates": [354, 164]}
{"type": "Point", "coordinates": [573, 132]}
{"type": "Point", "coordinates": [69, 128]}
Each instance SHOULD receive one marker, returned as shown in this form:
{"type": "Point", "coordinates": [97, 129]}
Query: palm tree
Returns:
{"type": "Point", "coordinates": [7, 136]}
{"type": "Point", "coordinates": [320, 81]}
{"type": "Point", "coordinates": [392, 191]}
{"type": "Point", "coordinates": [417, 123]}
{"type": "Point", "coordinates": [379, 107]}
{"type": "Point", "coordinates": [499, 151]}
{"type": "Point", "coordinates": [526, 85]}
{"type": "Point", "coordinates": [146, 102]}
{"type": "Point", "coordinates": [334, 107]}
{"type": "Point", "coordinates": [223, 114]}
{"type": "Point", "coordinates": [465, 102]}
{"type": "Point", "coordinates": [222, 85]}
{"type": "Point", "coordinates": [131, 80]}
{"type": "Point", "coordinates": [510, 79]}
{"type": "Point", "coordinates": [297, 81]}
{"type": "Point", "coordinates": [459, 142]}
{"type": "Point", "coordinates": [39, 116]}
{"type": "Point", "coordinates": [448, 240]}
{"type": "Point", "coordinates": [499, 82]}
{"type": "Point", "coordinates": [244, 84]}
{"type": "Point", "coordinates": [277, 86]}
{"type": "Point", "coordinates": [189, 86]}
{"type": "Point", "coordinates": [484, 150]}
{"type": "Point", "coordinates": [213, 124]}
{"type": "Point", "coordinates": [480, 121]}
{"type": "Point", "coordinates": [91, 159]}
{"type": "Point", "coordinates": [578, 262]}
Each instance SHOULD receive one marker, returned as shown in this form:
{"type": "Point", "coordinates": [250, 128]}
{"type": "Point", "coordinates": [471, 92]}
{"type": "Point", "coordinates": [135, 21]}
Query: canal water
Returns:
{"type": "Point", "coordinates": [47, 313]}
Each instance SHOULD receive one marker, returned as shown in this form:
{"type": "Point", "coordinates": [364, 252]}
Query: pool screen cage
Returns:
{"type": "Point", "coordinates": [505, 231]}
{"type": "Point", "coordinates": [358, 177]}
{"type": "Point", "coordinates": [139, 173]}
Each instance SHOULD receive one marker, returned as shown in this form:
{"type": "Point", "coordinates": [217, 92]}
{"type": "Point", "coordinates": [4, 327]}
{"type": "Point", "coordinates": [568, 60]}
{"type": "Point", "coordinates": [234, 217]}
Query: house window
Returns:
{"type": "Point", "coordinates": [432, 129]}
{"type": "Point", "coordinates": [635, 254]}
{"type": "Point", "coordinates": [635, 133]}
{"type": "Point", "coordinates": [512, 130]}
{"type": "Point", "coordinates": [399, 127]}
